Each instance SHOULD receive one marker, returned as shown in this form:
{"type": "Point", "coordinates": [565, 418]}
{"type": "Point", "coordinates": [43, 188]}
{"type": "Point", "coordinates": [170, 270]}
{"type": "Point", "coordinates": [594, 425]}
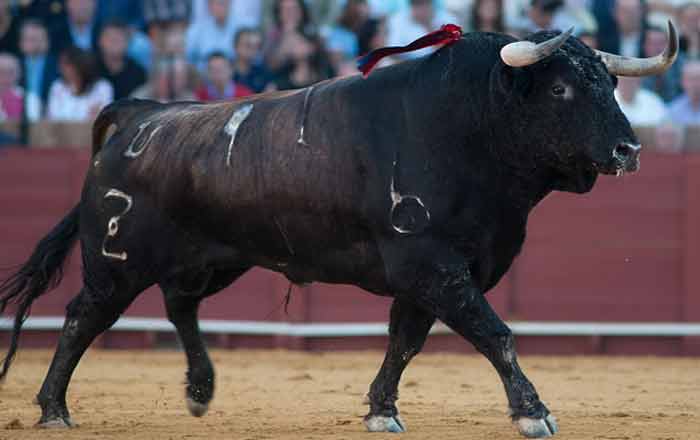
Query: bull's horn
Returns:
{"type": "Point", "coordinates": [626, 66]}
{"type": "Point", "coordinates": [525, 53]}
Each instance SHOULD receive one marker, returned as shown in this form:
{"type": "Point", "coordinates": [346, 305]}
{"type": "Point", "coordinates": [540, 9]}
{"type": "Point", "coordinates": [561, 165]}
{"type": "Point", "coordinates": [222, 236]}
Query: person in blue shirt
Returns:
{"type": "Point", "coordinates": [39, 66]}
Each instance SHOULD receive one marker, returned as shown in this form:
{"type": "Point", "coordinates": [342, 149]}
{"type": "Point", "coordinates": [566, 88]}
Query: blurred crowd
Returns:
{"type": "Point", "coordinates": [63, 60]}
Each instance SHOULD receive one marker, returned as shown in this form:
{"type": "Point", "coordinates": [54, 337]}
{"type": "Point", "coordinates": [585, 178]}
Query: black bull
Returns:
{"type": "Point", "coordinates": [415, 183]}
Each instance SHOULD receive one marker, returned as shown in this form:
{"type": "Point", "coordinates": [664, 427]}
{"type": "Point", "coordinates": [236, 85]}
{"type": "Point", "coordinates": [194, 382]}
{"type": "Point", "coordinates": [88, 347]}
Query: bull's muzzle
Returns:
{"type": "Point", "coordinates": [626, 157]}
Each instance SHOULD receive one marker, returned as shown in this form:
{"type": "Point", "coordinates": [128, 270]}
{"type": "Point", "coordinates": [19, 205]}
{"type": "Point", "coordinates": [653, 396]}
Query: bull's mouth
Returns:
{"type": "Point", "coordinates": [624, 160]}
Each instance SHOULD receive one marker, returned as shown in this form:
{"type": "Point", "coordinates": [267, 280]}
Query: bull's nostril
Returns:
{"type": "Point", "coordinates": [623, 151]}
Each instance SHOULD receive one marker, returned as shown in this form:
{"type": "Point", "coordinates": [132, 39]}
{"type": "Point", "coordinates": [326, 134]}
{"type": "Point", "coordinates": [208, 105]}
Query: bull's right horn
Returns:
{"type": "Point", "coordinates": [525, 53]}
{"type": "Point", "coordinates": [628, 66]}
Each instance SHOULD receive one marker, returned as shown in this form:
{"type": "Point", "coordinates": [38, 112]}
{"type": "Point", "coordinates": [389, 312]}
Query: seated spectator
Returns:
{"type": "Point", "coordinates": [541, 15]}
{"type": "Point", "coordinates": [309, 65]}
{"type": "Point", "coordinates": [247, 68]}
{"type": "Point", "coordinates": [219, 85]}
{"type": "Point", "coordinates": [341, 39]}
{"type": "Point", "coordinates": [630, 17]}
{"type": "Point", "coordinates": [669, 137]}
{"type": "Point", "coordinates": [9, 28]}
{"type": "Point", "coordinates": [685, 109]}
{"type": "Point", "coordinates": [164, 18]}
{"type": "Point", "coordinates": [78, 27]}
{"type": "Point", "coordinates": [170, 79]}
{"type": "Point", "coordinates": [412, 23]}
{"type": "Point", "coordinates": [245, 13]}
{"type": "Point", "coordinates": [212, 34]}
{"type": "Point", "coordinates": [129, 12]}
{"type": "Point", "coordinates": [12, 99]}
{"type": "Point", "coordinates": [80, 93]}
{"type": "Point", "coordinates": [39, 66]}
{"type": "Point", "coordinates": [668, 84]}
{"type": "Point", "coordinates": [292, 23]}
{"type": "Point", "coordinates": [641, 107]}
{"type": "Point", "coordinates": [115, 66]}
{"type": "Point", "coordinates": [689, 28]}
{"type": "Point", "coordinates": [487, 16]}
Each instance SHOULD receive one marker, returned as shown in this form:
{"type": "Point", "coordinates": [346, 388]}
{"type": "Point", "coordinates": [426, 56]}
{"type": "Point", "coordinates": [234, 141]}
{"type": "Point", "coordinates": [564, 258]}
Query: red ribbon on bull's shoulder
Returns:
{"type": "Point", "coordinates": [447, 34]}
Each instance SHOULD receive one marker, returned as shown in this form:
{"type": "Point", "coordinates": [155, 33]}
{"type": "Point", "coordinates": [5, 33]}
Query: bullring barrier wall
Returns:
{"type": "Point", "coordinates": [611, 272]}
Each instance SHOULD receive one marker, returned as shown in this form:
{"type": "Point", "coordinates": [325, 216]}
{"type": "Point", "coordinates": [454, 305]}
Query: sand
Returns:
{"type": "Point", "coordinates": [291, 395]}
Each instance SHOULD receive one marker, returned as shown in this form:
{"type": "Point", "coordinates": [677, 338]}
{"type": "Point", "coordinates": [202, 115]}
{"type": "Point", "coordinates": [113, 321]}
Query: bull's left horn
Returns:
{"type": "Point", "coordinates": [627, 66]}
{"type": "Point", "coordinates": [525, 53]}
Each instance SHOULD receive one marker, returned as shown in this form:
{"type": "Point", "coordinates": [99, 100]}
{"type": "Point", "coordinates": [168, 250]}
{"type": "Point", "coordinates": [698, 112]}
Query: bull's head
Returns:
{"type": "Point", "coordinates": [565, 92]}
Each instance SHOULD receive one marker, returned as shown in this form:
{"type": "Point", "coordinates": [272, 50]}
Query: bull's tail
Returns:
{"type": "Point", "coordinates": [41, 273]}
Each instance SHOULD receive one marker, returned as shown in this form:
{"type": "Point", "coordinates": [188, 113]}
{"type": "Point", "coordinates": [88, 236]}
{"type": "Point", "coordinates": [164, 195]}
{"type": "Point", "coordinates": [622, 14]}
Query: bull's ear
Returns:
{"type": "Point", "coordinates": [512, 81]}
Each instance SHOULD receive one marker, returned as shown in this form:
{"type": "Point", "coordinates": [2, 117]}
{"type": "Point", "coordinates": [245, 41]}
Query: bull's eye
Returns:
{"type": "Point", "coordinates": [558, 90]}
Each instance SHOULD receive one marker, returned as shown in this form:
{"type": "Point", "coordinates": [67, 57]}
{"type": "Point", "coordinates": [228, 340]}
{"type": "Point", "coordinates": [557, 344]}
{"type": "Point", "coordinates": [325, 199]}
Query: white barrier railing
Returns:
{"type": "Point", "coordinates": [330, 330]}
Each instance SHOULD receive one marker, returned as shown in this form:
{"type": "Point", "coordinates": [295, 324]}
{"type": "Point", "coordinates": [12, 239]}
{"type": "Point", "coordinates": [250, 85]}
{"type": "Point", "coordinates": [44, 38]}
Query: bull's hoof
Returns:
{"type": "Point", "coordinates": [384, 424]}
{"type": "Point", "coordinates": [56, 423]}
{"type": "Point", "coordinates": [537, 428]}
{"type": "Point", "coordinates": [196, 409]}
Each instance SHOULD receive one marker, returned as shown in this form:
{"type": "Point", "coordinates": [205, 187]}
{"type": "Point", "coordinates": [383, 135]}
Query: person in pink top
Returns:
{"type": "Point", "coordinates": [11, 94]}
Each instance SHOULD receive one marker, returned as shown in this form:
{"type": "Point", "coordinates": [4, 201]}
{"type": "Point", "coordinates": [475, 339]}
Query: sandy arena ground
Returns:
{"type": "Point", "coordinates": [287, 395]}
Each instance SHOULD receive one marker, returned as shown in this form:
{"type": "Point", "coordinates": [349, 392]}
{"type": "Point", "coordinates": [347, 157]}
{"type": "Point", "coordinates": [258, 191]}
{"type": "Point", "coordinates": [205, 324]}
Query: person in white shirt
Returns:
{"type": "Point", "coordinates": [685, 109]}
{"type": "Point", "coordinates": [212, 33]}
{"type": "Point", "coordinates": [642, 107]}
{"type": "Point", "coordinates": [80, 94]}
{"type": "Point", "coordinates": [407, 25]}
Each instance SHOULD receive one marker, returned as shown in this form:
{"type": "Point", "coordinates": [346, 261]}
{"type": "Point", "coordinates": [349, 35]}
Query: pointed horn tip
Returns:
{"type": "Point", "coordinates": [673, 43]}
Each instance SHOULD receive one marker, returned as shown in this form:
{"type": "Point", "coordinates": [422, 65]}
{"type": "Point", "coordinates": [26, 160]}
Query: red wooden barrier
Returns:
{"type": "Point", "coordinates": [628, 251]}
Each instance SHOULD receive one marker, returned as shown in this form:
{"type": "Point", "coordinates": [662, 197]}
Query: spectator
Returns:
{"type": "Point", "coordinates": [247, 68]}
{"type": "Point", "coordinates": [689, 27]}
{"type": "Point", "coordinates": [341, 39]}
{"type": "Point", "coordinates": [219, 85]}
{"type": "Point", "coordinates": [80, 93]}
{"type": "Point", "coordinates": [414, 22]}
{"type": "Point", "coordinates": [12, 99]}
{"type": "Point", "coordinates": [79, 27]}
{"type": "Point", "coordinates": [668, 84]}
{"type": "Point", "coordinates": [9, 28]}
{"type": "Point", "coordinates": [641, 107]}
{"type": "Point", "coordinates": [630, 16]}
{"type": "Point", "coordinates": [246, 13]}
{"type": "Point", "coordinates": [292, 24]}
{"type": "Point", "coordinates": [164, 17]}
{"type": "Point", "coordinates": [39, 67]}
{"type": "Point", "coordinates": [487, 16]}
{"type": "Point", "coordinates": [685, 109]}
{"type": "Point", "coordinates": [541, 15]}
{"type": "Point", "coordinates": [308, 65]}
{"type": "Point", "coordinates": [130, 12]}
{"type": "Point", "coordinates": [213, 34]}
{"type": "Point", "coordinates": [669, 137]}
{"type": "Point", "coordinates": [169, 80]}
{"type": "Point", "coordinates": [115, 66]}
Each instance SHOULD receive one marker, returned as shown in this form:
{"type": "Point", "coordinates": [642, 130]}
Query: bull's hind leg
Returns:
{"type": "Point", "coordinates": [182, 297]}
{"type": "Point", "coordinates": [89, 314]}
{"type": "Point", "coordinates": [408, 328]}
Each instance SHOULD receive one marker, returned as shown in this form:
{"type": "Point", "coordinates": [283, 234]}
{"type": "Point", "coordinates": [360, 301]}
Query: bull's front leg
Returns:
{"type": "Point", "coordinates": [450, 294]}
{"type": "Point", "coordinates": [408, 327]}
